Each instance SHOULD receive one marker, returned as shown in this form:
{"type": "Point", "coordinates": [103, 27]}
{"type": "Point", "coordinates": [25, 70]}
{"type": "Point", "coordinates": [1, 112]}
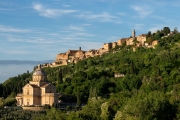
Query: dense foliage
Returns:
{"type": "Point", "coordinates": [149, 89]}
{"type": "Point", "coordinates": [16, 113]}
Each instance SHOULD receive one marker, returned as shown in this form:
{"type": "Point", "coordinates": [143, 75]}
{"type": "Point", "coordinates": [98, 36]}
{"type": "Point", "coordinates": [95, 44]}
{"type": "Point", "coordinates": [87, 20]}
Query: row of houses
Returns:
{"type": "Point", "coordinates": [77, 55]}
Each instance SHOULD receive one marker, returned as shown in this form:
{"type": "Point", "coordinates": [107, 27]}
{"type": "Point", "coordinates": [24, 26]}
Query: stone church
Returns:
{"type": "Point", "coordinates": [38, 92]}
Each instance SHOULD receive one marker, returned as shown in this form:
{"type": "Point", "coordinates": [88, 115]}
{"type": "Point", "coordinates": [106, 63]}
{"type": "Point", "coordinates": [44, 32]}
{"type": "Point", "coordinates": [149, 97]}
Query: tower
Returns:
{"type": "Point", "coordinates": [133, 33]}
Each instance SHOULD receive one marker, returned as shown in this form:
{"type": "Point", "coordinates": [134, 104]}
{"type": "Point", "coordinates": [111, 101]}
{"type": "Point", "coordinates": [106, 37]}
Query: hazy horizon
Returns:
{"type": "Point", "coordinates": [12, 68]}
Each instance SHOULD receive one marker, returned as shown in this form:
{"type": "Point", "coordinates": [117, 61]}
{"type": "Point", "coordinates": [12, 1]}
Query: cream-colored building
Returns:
{"type": "Point", "coordinates": [130, 41]}
{"type": "Point", "coordinates": [38, 92]}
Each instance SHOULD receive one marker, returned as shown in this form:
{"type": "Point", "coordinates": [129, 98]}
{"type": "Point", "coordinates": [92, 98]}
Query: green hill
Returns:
{"type": "Point", "coordinates": [148, 90]}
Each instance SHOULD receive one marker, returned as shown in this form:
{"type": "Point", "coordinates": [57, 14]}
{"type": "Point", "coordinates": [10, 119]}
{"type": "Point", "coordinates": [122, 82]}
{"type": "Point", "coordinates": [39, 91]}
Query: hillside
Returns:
{"type": "Point", "coordinates": [147, 86]}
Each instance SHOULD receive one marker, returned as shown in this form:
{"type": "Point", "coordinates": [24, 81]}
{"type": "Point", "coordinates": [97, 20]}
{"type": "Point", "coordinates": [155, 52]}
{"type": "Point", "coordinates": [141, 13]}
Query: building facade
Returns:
{"type": "Point", "coordinates": [38, 92]}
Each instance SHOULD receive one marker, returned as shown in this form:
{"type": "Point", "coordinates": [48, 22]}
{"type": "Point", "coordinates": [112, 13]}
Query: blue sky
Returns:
{"type": "Point", "coordinates": [40, 29]}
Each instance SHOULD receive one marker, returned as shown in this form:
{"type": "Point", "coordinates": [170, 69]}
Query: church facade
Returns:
{"type": "Point", "coordinates": [38, 92]}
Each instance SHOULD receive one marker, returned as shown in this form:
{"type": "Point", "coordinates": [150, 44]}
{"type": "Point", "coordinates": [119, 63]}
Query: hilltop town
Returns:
{"type": "Point", "coordinates": [109, 86]}
{"type": "Point", "coordinates": [73, 56]}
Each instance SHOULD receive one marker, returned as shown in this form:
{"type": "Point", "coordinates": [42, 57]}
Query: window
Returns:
{"type": "Point", "coordinates": [27, 92]}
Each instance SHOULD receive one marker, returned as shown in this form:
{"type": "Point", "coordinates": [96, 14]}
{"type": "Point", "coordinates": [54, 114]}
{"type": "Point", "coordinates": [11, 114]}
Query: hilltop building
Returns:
{"type": "Point", "coordinates": [69, 57]}
{"type": "Point", "coordinates": [38, 92]}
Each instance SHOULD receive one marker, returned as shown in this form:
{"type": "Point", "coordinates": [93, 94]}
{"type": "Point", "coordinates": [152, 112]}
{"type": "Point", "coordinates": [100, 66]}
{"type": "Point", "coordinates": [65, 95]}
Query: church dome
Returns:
{"type": "Point", "coordinates": [39, 75]}
{"type": "Point", "coordinates": [39, 72]}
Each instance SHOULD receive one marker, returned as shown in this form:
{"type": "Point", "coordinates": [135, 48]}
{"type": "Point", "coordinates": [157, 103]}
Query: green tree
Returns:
{"type": "Point", "coordinates": [176, 30]}
{"type": "Point", "coordinates": [59, 76]}
{"type": "Point", "coordinates": [166, 30]}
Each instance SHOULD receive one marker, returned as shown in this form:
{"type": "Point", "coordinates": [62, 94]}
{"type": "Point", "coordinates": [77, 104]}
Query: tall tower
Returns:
{"type": "Point", "coordinates": [133, 33]}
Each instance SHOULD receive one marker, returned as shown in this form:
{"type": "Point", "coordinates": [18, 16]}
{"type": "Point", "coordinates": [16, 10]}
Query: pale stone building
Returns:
{"type": "Point", "coordinates": [120, 42]}
{"type": "Point", "coordinates": [114, 44]}
{"type": "Point", "coordinates": [90, 53]}
{"type": "Point", "coordinates": [38, 92]}
{"type": "Point", "coordinates": [141, 39]}
{"type": "Point", "coordinates": [130, 41]}
{"type": "Point", "coordinates": [154, 43]}
{"type": "Point", "coordinates": [69, 57]}
{"type": "Point", "coordinates": [116, 75]}
{"type": "Point", "coordinates": [107, 46]}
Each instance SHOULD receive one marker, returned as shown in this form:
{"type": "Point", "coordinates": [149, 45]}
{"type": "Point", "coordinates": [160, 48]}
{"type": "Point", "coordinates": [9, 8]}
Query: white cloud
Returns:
{"type": "Point", "coordinates": [103, 17]}
{"type": "Point", "coordinates": [121, 13]}
{"type": "Point", "coordinates": [6, 4]}
{"type": "Point", "coordinates": [4, 28]}
{"type": "Point", "coordinates": [155, 28]}
{"type": "Point", "coordinates": [83, 34]}
{"type": "Point", "coordinates": [86, 25]}
{"type": "Point", "coordinates": [66, 5]}
{"type": "Point", "coordinates": [4, 9]}
{"type": "Point", "coordinates": [138, 26]}
{"type": "Point", "coordinates": [39, 40]}
{"type": "Point", "coordinates": [50, 13]}
{"type": "Point", "coordinates": [113, 38]}
{"type": "Point", "coordinates": [76, 31]}
{"type": "Point", "coordinates": [77, 28]}
{"type": "Point", "coordinates": [16, 52]}
{"type": "Point", "coordinates": [142, 10]}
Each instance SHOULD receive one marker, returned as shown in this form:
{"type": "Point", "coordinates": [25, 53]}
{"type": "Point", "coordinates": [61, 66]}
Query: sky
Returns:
{"type": "Point", "coordinates": [40, 29]}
